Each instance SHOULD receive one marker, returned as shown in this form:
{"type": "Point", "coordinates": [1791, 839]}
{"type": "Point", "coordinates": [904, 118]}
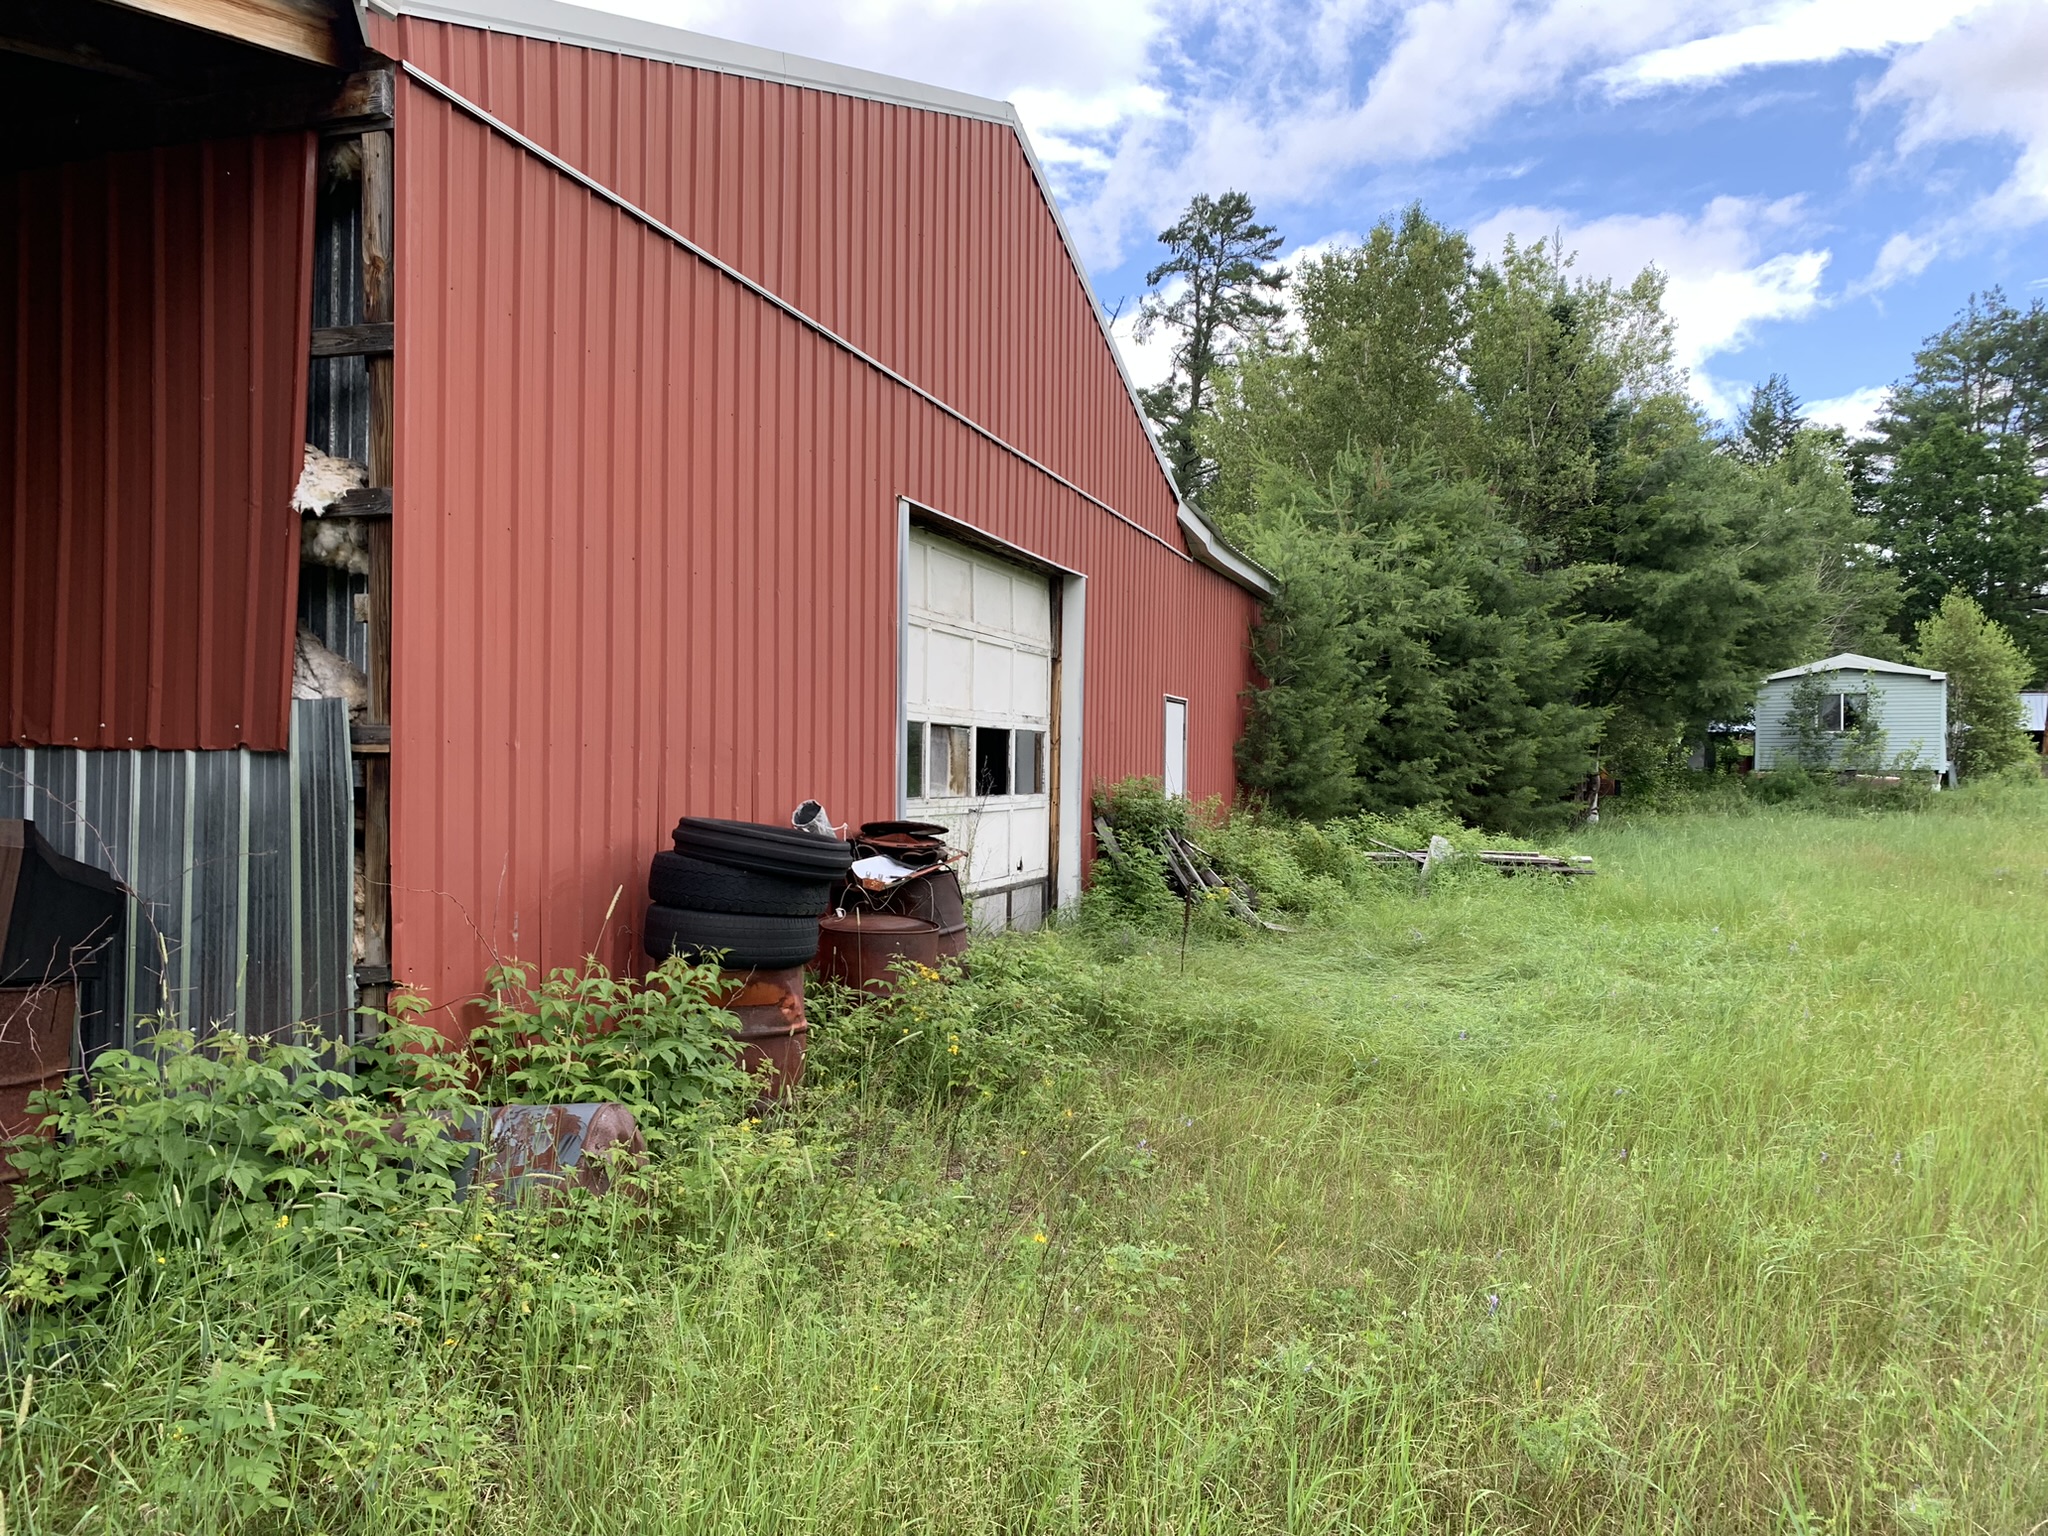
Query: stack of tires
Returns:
{"type": "Point", "coordinates": [745, 890]}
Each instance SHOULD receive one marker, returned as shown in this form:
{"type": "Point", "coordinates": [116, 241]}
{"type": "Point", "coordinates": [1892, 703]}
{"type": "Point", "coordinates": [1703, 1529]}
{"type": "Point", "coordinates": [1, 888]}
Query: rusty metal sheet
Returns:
{"type": "Point", "coordinates": [539, 1151]}
{"type": "Point", "coordinates": [153, 311]}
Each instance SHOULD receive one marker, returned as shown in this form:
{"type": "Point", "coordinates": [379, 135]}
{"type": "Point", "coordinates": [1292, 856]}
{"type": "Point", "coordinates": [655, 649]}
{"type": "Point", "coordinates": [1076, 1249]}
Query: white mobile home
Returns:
{"type": "Point", "coordinates": [1854, 697]}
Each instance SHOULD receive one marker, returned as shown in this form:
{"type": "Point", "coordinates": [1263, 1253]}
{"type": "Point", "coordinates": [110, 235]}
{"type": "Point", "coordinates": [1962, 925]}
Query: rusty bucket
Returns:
{"type": "Point", "coordinates": [772, 1029]}
{"type": "Point", "coordinates": [35, 1053]}
{"type": "Point", "coordinates": [861, 949]}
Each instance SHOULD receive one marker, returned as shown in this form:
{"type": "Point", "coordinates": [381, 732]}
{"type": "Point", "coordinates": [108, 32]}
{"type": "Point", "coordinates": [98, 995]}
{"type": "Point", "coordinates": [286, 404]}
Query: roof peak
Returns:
{"type": "Point", "coordinates": [1851, 661]}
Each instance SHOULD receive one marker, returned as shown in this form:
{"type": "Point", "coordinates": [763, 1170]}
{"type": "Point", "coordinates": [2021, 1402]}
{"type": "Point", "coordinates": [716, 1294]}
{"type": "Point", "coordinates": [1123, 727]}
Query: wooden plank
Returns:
{"type": "Point", "coordinates": [377, 860]}
{"type": "Point", "coordinates": [378, 209]}
{"type": "Point", "coordinates": [301, 31]}
{"type": "Point", "coordinates": [365, 501]}
{"type": "Point", "coordinates": [372, 340]}
{"type": "Point", "coordinates": [365, 100]}
{"type": "Point", "coordinates": [377, 190]}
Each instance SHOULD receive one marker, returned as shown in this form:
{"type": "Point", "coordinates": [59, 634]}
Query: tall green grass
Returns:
{"type": "Point", "coordinates": [1702, 1195]}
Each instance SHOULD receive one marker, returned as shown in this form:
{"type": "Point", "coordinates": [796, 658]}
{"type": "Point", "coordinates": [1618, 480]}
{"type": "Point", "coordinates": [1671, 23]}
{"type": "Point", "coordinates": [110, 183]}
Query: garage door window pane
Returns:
{"type": "Point", "coordinates": [949, 766]}
{"type": "Point", "coordinates": [1030, 775]}
{"type": "Point", "coordinates": [913, 760]}
{"type": "Point", "coordinates": [991, 761]}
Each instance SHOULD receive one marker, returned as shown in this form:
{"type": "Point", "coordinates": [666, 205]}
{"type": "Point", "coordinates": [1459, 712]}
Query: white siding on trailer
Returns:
{"type": "Point", "coordinates": [1912, 710]}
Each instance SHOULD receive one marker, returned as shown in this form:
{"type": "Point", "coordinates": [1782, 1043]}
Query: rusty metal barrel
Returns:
{"type": "Point", "coordinates": [35, 1054]}
{"type": "Point", "coordinates": [771, 1029]}
{"type": "Point", "coordinates": [863, 949]}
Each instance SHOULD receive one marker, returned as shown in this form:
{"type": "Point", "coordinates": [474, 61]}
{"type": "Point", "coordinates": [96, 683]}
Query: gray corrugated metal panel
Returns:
{"type": "Point", "coordinates": [327, 606]}
{"type": "Point", "coordinates": [2033, 711]}
{"type": "Point", "coordinates": [322, 813]}
{"type": "Point", "coordinates": [242, 864]}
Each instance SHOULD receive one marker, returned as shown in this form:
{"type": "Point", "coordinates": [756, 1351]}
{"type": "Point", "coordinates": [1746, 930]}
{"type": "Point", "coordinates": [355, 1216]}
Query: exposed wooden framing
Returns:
{"type": "Point", "coordinates": [302, 31]}
{"type": "Point", "coordinates": [371, 339]}
{"type": "Point", "coordinates": [378, 314]}
{"type": "Point", "coordinates": [1056, 589]}
{"type": "Point", "coordinates": [364, 102]}
{"type": "Point", "coordinates": [366, 501]}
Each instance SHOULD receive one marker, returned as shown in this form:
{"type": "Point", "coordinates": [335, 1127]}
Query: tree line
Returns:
{"type": "Point", "coordinates": [1509, 546]}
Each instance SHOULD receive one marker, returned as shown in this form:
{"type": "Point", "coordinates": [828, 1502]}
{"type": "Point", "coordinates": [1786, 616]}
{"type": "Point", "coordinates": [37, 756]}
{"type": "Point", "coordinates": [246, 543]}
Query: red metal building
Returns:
{"type": "Point", "coordinates": [751, 434]}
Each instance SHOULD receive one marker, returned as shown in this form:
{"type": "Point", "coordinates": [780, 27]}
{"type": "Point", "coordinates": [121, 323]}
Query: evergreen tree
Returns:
{"type": "Point", "coordinates": [1453, 663]}
{"type": "Point", "coordinates": [1218, 253]}
{"type": "Point", "coordinates": [1376, 364]}
{"type": "Point", "coordinates": [1769, 422]}
{"type": "Point", "coordinates": [1986, 671]}
{"type": "Point", "coordinates": [1955, 475]}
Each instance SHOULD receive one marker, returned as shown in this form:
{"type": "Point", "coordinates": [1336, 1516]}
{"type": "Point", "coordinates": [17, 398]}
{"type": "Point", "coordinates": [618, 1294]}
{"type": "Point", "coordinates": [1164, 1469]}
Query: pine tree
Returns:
{"type": "Point", "coordinates": [1217, 297]}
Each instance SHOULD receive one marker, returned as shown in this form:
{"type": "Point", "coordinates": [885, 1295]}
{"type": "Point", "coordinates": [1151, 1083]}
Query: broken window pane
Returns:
{"type": "Point", "coordinates": [949, 761]}
{"type": "Point", "coordinates": [991, 761]}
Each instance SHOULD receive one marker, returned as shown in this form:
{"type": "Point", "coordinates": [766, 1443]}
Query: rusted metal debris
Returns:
{"type": "Point", "coordinates": [773, 1029]}
{"type": "Point", "coordinates": [540, 1151]}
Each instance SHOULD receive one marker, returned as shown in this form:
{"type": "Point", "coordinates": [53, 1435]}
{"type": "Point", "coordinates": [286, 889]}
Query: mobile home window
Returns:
{"type": "Point", "coordinates": [1843, 711]}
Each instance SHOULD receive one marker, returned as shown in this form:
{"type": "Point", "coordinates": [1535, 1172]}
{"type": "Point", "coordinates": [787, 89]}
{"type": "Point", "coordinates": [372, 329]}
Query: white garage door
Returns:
{"type": "Point", "coordinates": [978, 696]}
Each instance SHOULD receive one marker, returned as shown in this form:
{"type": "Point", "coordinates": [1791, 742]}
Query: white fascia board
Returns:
{"type": "Point", "coordinates": [1849, 661]}
{"type": "Point", "coordinates": [552, 21]}
{"type": "Point", "coordinates": [1210, 549]}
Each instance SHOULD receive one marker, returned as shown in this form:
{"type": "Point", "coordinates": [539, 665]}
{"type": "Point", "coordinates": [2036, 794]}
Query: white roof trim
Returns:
{"type": "Point", "coordinates": [554, 21]}
{"type": "Point", "coordinates": [1849, 661]}
{"type": "Point", "coordinates": [1211, 549]}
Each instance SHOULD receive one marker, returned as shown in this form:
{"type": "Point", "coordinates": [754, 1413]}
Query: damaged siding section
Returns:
{"type": "Point", "coordinates": [240, 867]}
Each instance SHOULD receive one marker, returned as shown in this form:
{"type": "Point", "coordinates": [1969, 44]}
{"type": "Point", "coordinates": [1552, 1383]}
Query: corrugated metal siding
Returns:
{"type": "Point", "coordinates": [1912, 710]}
{"type": "Point", "coordinates": [646, 560]}
{"type": "Point", "coordinates": [153, 312]}
{"type": "Point", "coordinates": [919, 236]}
{"type": "Point", "coordinates": [240, 863]}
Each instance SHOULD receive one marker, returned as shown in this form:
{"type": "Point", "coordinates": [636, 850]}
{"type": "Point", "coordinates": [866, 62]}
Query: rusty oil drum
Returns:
{"type": "Point", "coordinates": [861, 949]}
{"type": "Point", "coordinates": [35, 1054]}
{"type": "Point", "coordinates": [772, 1030]}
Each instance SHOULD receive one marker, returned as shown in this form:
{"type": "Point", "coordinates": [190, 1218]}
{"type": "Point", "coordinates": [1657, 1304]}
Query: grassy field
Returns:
{"type": "Point", "coordinates": [1704, 1195]}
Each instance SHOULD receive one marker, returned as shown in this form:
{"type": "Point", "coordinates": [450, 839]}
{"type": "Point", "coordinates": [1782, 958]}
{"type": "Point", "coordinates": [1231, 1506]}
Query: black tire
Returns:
{"type": "Point", "coordinates": [764, 849]}
{"type": "Point", "coordinates": [747, 941]}
{"type": "Point", "coordinates": [677, 880]}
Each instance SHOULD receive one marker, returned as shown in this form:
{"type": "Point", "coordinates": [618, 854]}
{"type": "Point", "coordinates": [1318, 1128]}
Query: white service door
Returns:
{"type": "Point", "coordinates": [1173, 777]}
{"type": "Point", "coordinates": [978, 702]}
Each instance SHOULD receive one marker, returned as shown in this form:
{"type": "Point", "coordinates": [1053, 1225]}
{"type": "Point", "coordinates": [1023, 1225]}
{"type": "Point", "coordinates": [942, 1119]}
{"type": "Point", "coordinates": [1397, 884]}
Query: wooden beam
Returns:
{"type": "Point", "coordinates": [302, 32]}
{"type": "Point", "coordinates": [366, 501]}
{"type": "Point", "coordinates": [365, 100]}
{"type": "Point", "coordinates": [369, 340]}
{"type": "Point", "coordinates": [378, 205]}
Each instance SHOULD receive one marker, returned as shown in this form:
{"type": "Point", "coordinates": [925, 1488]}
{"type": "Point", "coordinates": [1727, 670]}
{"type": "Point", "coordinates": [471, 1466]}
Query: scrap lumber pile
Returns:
{"type": "Point", "coordinates": [1507, 860]}
{"type": "Point", "coordinates": [1191, 872]}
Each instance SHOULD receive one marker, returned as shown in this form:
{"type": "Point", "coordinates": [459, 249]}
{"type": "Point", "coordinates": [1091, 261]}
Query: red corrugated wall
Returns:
{"type": "Point", "coordinates": [646, 524]}
{"type": "Point", "coordinates": [153, 316]}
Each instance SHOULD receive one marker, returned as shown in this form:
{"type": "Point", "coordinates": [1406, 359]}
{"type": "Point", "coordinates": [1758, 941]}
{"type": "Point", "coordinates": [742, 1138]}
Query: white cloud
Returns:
{"type": "Point", "coordinates": [1801, 32]}
{"type": "Point", "coordinates": [1081, 65]}
{"type": "Point", "coordinates": [1981, 79]}
{"type": "Point", "coordinates": [1852, 412]}
{"type": "Point", "coordinates": [1724, 273]}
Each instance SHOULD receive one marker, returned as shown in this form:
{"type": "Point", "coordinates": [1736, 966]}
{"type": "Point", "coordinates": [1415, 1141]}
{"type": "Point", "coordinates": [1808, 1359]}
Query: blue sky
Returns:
{"type": "Point", "coordinates": [1822, 181]}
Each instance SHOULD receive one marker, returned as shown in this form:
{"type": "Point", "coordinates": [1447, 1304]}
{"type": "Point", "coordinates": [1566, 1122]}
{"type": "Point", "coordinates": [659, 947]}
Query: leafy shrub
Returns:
{"type": "Point", "coordinates": [1013, 1020]}
{"type": "Point", "coordinates": [195, 1149]}
{"type": "Point", "coordinates": [660, 1044]}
